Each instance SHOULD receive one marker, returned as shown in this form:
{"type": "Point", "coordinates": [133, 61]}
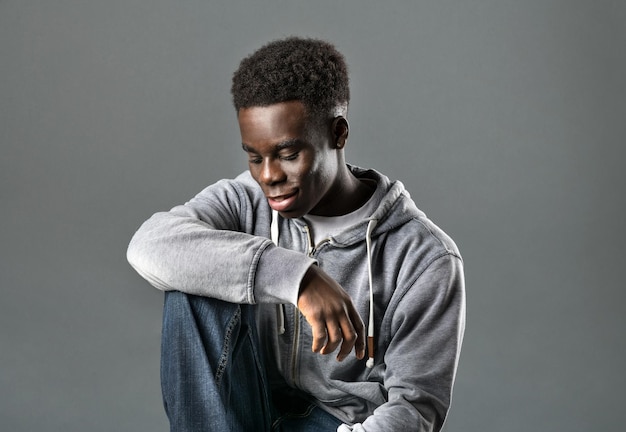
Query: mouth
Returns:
{"type": "Point", "coordinates": [282, 202]}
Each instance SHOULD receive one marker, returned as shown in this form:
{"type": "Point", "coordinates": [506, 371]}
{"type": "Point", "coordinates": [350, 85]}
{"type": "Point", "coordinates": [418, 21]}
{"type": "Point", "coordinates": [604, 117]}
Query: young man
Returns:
{"type": "Point", "coordinates": [270, 277]}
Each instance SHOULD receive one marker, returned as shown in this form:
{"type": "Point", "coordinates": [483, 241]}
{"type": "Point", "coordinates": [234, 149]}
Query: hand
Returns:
{"type": "Point", "coordinates": [331, 314]}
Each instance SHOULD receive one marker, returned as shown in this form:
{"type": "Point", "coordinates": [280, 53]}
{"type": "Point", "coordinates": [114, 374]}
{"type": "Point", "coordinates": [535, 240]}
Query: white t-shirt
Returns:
{"type": "Point", "coordinates": [323, 227]}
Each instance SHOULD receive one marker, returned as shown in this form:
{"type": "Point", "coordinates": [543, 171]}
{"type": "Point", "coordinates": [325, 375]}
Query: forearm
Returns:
{"type": "Point", "coordinates": [174, 251]}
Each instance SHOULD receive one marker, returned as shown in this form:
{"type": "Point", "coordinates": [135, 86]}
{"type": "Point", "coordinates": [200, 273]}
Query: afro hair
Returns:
{"type": "Point", "coordinates": [309, 70]}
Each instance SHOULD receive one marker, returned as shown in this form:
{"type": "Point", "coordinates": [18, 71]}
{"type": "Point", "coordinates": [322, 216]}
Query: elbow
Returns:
{"type": "Point", "coordinates": [140, 261]}
{"type": "Point", "coordinates": [133, 253]}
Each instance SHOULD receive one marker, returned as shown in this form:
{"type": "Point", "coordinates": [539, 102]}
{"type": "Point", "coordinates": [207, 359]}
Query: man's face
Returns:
{"type": "Point", "coordinates": [295, 164]}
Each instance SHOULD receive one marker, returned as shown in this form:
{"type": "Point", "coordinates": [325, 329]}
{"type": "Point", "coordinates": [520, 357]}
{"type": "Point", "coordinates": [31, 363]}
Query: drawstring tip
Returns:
{"type": "Point", "coordinates": [370, 352]}
{"type": "Point", "coordinates": [280, 318]}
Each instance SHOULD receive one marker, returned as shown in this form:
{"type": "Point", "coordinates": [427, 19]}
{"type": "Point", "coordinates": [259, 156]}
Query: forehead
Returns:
{"type": "Point", "coordinates": [272, 123]}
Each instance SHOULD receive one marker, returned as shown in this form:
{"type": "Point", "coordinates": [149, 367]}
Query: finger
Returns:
{"type": "Point", "coordinates": [349, 338]}
{"type": "Point", "coordinates": [334, 337]}
{"type": "Point", "coordinates": [319, 336]}
{"type": "Point", "coordinates": [359, 328]}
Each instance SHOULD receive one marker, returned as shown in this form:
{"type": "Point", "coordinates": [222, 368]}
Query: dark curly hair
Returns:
{"type": "Point", "coordinates": [308, 70]}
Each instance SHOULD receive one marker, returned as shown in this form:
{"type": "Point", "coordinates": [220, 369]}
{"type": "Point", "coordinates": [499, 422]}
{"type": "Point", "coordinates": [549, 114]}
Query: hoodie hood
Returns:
{"type": "Point", "coordinates": [394, 208]}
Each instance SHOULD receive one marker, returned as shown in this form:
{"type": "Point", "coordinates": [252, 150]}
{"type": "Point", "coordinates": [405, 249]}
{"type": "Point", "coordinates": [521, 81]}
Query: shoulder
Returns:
{"type": "Point", "coordinates": [414, 240]}
{"type": "Point", "coordinates": [431, 234]}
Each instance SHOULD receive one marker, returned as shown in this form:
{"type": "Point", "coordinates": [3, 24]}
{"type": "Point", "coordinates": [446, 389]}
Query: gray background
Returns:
{"type": "Point", "coordinates": [505, 119]}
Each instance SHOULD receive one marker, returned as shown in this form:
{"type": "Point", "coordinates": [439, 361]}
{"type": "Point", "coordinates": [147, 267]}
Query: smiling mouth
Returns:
{"type": "Point", "coordinates": [282, 202]}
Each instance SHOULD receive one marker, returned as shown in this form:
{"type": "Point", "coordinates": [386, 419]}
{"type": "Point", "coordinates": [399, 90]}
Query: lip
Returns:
{"type": "Point", "coordinates": [282, 202]}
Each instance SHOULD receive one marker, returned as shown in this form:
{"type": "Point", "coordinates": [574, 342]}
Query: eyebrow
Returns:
{"type": "Point", "coordinates": [278, 147]}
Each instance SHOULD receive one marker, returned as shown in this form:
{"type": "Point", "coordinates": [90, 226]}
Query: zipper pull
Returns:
{"type": "Point", "coordinates": [310, 247]}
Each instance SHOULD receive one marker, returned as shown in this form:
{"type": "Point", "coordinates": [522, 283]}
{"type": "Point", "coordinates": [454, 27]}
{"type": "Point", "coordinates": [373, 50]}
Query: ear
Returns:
{"type": "Point", "coordinates": [340, 130]}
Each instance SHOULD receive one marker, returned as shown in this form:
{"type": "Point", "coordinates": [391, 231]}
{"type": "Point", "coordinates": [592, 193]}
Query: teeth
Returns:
{"type": "Point", "coordinates": [281, 198]}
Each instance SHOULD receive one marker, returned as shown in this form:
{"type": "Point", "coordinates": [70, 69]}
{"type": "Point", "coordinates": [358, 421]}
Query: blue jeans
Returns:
{"type": "Point", "coordinates": [212, 372]}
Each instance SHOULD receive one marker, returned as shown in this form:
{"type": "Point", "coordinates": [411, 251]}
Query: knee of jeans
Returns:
{"type": "Point", "coordinates": [181, 300]}
{"type": "Point", "coordinates": [179, 305]}
{"type": "Point", "coordinates": [175, 297]}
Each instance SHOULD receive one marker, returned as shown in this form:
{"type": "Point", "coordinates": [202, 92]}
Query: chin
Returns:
{"type": "Point", "coordinates": [291, 214]}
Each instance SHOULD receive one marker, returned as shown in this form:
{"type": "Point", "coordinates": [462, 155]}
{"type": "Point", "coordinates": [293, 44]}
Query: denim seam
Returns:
{"type": "Point", "coordinates": [221, 366]}
{"type": "Point", "coordinates": [289, 415]}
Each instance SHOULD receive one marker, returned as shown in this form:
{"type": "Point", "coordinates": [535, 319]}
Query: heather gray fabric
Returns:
{"type": "Point", "coordinates": [218, 245]}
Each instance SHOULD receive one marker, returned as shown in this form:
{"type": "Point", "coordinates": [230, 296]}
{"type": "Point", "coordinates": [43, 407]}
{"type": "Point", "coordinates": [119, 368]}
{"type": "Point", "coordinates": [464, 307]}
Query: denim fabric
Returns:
{"type": "Point", "coordinates": [212, 372]}
{"type": "Point", "coordinates": [311, 419]}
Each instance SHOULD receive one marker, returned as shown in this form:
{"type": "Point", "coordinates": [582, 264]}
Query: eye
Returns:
{"type": "Point", "coordinates": [254, 161]}
{"type": "Point", "coordinates": [290, 157]}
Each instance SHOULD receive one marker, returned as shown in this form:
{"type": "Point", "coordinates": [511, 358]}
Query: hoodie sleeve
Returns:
{"type": "Point", "coordinates": [206, 248]}
{"type": "Point", "coordinates": [422, 356]}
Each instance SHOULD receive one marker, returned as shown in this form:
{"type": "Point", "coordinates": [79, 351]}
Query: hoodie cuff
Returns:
{"type": "Point", "coordinates": [278, 275]}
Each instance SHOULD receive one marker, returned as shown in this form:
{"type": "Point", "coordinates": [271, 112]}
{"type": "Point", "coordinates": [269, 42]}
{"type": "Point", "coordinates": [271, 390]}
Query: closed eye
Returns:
{"type": "Point", "coordinates": [290, 157]}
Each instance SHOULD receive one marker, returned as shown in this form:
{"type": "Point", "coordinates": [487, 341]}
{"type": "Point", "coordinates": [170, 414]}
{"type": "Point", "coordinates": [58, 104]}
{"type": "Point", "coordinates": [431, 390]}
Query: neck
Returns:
{"type": "Point", "coordinates": [350, 194]}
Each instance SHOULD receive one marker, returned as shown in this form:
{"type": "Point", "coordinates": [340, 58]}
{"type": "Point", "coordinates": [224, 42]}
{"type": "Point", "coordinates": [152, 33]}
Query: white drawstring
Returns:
{"type": "Point", "coordinates": [280, 311]}
{"type": "Point", "coordinates": [370, 326]}
{"type": "Point", "coordinates": [280, 308]}
{"type": "Point", "coordinates": [274, 232]}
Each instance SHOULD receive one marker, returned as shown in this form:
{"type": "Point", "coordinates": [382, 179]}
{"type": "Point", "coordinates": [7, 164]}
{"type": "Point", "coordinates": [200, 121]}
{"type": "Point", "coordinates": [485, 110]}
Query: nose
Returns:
{"type": "Point", "coordinates": [271, 172]}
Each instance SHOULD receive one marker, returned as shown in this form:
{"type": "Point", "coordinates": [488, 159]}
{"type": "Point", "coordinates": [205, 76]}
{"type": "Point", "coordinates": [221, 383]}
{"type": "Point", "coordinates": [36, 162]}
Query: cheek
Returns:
{"type": "Point", "coordinates": [304, 169]}
{"type": "Point", "coordinates": [324, 169]}
{"type": "Point", "coordinates": [314, 174]}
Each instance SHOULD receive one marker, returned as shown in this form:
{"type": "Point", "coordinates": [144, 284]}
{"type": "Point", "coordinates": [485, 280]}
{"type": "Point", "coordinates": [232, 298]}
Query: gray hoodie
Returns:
{"type": "Point", "coordinates": [218, 245]}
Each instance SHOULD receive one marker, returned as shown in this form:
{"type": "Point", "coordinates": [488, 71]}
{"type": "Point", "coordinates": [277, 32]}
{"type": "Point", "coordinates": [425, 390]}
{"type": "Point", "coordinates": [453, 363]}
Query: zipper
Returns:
{"type": "Point", "coordinates": [309, 243]}
{"type": "Point", "coordinates": [311, 249]}
{"type": "Point", "coordinates": [296, 346]}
